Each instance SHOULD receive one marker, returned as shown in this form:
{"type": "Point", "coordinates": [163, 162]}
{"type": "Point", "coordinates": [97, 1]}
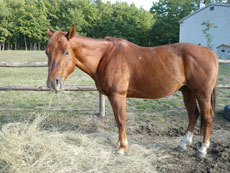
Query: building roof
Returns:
{"type": "Point", "coordinates": [201, 9]}
{"type": "Point", "coordinates": [226, 45]}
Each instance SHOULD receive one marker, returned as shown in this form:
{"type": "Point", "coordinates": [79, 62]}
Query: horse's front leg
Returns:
{"type": "Point", "coordinates": [118, 102]}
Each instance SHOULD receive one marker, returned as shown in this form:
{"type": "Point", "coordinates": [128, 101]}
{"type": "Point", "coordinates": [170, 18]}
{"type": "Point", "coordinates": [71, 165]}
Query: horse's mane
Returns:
{"type": "Point", "coordinates": [117, 41]}
{"type": "Point", "coordinates": [113, 39]}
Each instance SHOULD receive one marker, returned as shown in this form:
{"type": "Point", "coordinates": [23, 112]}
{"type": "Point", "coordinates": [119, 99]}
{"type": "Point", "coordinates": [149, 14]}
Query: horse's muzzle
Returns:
{"type": "Point", "coordinates": [57, 84]}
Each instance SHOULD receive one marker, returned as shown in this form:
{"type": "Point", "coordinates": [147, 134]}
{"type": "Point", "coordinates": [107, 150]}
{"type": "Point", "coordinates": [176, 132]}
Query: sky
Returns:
{"type": "Point", "coordinates": [146, 4]}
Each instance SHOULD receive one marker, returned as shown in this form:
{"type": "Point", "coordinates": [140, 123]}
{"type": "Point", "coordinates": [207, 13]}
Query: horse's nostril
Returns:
{"type": "Point", "coordinates": [57, 81]}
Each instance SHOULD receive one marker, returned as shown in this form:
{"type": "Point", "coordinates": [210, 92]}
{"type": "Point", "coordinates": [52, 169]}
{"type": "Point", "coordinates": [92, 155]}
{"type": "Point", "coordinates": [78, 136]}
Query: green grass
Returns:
{"type": "Point", "coordinates": [23, 56]}
{"type": "Point", "coordinates": [33, 75]}
{"type": "Point", "coordinates": [224, 73]}
{"type": "Point", "coordinates": [38, 76]}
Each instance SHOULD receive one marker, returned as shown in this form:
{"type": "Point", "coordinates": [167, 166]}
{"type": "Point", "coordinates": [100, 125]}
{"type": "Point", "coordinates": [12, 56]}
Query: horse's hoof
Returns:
{"type": "Point", "coordinates": [200, 155]}
{"type": "Point", "coordinates": [180, 148]}
{"type": "Point", "coordinates": [121, 151]}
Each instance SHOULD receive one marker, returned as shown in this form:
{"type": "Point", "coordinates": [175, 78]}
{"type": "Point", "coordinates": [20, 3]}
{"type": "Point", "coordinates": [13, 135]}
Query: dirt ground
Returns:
{"type": "Point", "coordinates": [163, 141]}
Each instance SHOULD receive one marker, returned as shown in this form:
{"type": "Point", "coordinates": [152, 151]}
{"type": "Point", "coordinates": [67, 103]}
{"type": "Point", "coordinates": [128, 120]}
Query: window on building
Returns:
{"type": "Point", "coordinates": [222, 50]}
{"type": "Point", "coordinates": [211, 8]}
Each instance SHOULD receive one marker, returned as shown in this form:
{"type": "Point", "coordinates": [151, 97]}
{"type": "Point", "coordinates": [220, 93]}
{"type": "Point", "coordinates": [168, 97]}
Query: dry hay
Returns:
{"type": "Point", "coordinates": [27, 148]}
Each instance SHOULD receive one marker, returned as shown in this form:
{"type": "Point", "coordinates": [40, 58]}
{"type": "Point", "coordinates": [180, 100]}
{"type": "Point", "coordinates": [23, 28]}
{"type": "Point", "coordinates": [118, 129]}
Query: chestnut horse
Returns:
{"type": "Point", "coordinates": [122, 69]}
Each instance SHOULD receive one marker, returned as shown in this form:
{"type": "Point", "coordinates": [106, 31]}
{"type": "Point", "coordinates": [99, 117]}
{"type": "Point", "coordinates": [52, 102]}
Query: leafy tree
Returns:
{"type": "Point", "coordinates": [4, 32]}
{"type": "Point", "coordinates": [129, 22]}
{"type": "Point", "coordinates": [23, 23]}
{"type": "Point", "coordinates": [167, 14]}
{"type": "Point", "coordinates": [206, 31]}
{"type": "Point", "coordinates": [82, 13]}
{"type": "Point", "coordinates": [103, 24]}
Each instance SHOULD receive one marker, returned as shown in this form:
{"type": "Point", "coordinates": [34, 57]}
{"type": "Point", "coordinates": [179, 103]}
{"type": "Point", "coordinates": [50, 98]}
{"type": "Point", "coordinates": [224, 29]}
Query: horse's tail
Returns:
{"type": "Point", "coordinates": [213, 98]}
{"type": "Point", "coordinates": [214, 91]}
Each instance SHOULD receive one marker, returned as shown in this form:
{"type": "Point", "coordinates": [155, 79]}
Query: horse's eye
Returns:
{"type": "Point", "coordinates": [66, 53]}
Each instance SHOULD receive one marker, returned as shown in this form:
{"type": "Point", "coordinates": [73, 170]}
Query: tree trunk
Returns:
{"type": "Point", "coordinates": [31, 46]}
{"type": "Point", "coordinates": [25, 42]}
{"type": "Point", "coordinates": [3, 46]}
{"type": "Point", "coordinates": [15, 45]}
{"type": "Point", "coordinates": [39, 46]}
{"type": "Point", "coordinates": [35, 46]}
{"type": "Point", "coordinates": [7, 45]}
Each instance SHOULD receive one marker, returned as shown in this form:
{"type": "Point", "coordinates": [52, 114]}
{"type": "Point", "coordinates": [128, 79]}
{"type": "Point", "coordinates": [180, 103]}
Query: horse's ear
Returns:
{"type": "Point", "coordinates": [71, 32]}
{"type": "Point", "coordinates": [49, 33]}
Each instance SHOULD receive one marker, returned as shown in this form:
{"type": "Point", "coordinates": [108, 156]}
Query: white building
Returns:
{"type": "Point", "coordinates": [218, 14]}
{"type": "Point", "coordinates": [223, 51]}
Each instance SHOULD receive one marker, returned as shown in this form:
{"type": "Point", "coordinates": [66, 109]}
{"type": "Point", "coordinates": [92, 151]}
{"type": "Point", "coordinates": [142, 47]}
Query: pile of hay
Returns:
{"type": "Point", "coordinates": [26, 148]}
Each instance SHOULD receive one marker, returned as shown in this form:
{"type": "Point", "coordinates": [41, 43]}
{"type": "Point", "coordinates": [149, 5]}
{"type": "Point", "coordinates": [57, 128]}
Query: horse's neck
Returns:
{"type": "Point", "coordinates": [88, 53]}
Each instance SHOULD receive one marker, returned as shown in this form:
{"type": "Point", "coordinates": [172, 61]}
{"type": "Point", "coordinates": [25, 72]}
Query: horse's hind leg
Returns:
{"type": "Point", "coordinates": [193, 114]}
{"type": "Point", "coordinates": [207, 119]}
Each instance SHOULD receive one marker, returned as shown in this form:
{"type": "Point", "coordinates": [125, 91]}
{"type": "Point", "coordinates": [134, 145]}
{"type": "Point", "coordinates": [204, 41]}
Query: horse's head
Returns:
{"type": "Point", "coordinates": [60, 58]}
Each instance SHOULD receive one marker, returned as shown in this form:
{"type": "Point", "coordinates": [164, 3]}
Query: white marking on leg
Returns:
{"type": "Point", "coordinates": [187, 140]}
{"type": "Point", "coordinates": [121, 151]}
{"type": "Point", "coordinates": [188, 137]}
{"type": "Point", "coordinates": [204, 147]}
{"type": "Point", "coordinates": [126, 142]}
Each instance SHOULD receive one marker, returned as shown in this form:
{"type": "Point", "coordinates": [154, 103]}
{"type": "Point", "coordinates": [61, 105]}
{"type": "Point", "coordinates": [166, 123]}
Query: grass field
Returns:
{"type": "Point", "coordinates": [76, 111]}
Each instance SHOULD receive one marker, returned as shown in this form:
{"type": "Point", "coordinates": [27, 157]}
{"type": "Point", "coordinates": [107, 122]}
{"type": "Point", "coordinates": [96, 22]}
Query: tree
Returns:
{"type": "Point", "coordinates": [4, 26]}
{"type": "Point", "coordinates": [24, 22]}
{"type": "Point", "coordinates": [206, 31]}
{"type": "Point", "coordinates": [125, 21]}
{"type": "Point", "coordinates": [167, 14]}
{"type": "Point", "coordinates": [81, 13]}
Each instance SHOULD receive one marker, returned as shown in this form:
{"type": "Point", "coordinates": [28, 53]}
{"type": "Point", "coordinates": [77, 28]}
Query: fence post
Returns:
{"type": "Point", "coordinates": [101, 105]}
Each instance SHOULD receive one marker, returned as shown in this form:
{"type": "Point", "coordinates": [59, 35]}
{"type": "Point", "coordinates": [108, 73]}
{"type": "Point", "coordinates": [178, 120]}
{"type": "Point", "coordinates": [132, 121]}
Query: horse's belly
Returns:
{"type": "Point", "coordinates": [154, 89]}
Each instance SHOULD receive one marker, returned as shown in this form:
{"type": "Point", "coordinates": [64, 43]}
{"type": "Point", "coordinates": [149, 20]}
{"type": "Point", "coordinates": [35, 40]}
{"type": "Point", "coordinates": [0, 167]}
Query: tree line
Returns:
{"type": "Point", "coordinates": [23, 23]}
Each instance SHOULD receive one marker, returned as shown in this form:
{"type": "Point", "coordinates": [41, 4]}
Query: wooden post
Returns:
{"type": "Point", "coordinates": [101, 105]}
